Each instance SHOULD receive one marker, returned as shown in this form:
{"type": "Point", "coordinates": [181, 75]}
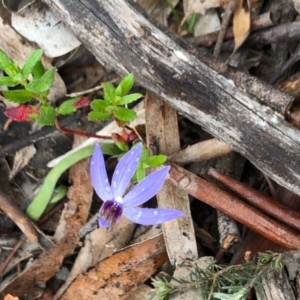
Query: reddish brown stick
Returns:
{"type": "Point", "coordinates": [271, 207]}
{"type": "Point", "coordinates": [233, 207]}
{"type": "Point", "coordinates": [81, 133]}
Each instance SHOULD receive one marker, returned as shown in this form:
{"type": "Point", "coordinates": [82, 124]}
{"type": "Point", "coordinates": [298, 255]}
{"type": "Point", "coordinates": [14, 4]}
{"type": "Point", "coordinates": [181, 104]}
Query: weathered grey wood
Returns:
{"type": "Point", "coordinates": [228, 104]}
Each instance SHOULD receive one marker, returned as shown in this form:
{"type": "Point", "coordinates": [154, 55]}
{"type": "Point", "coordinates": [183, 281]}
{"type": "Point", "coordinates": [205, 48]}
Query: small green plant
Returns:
{"type": "Point", "coordinates": [32, 83]}
{"type": "Point", "coordinates": [29, 87]}
{"type": "Point", "coordinates": [220, 282]}
{"type": "Point", "coordinates": [26, 89]}
{"type": "Point", "coordinates": [114, 101]}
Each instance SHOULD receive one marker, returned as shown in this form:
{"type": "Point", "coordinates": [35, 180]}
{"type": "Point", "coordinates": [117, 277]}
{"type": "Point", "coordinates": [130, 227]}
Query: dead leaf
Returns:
{"type": "Point", "coordinates": [208, 23]}
{"type": "Point", "coordinates": [73, 217]}
{"type": "Point", "coordinates": [162, 131]}
{"type": "Point", "coordinates": [120, 274]}
{"type": "Point", "coordinates": [241, 23]}
{"type": "Point", "coordinates": [98, 245]}
{"type": "Point", "coordinates": [38, 24]}
{"type": "Point", "coordinates": [10, 297]}
{"type": "Point", "coordinates": [198, 7]}
{"type": "Point", "coordinates": [297, 5]}
{"type": "Point", "coordinates": [22, 158]}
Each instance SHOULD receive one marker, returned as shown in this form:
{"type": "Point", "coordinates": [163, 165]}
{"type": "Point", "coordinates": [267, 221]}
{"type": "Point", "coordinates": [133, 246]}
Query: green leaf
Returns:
{"type": "Point", "coordinates": [37, 86]}
{"type": "Point", "coordinates": [8, 65]}
{"type": "Point", "coordinates": [18, 96]}
{"type": "Point", "coordinates": [108, 91]}
{"type": "Point", "coordinates": [145, 154]}
{"type": "Point", "coordinates": [48, 77]}
{"type": "Point", "coordinates": [38, 70]}
{"type": "Point", "coordinates": [140, 173]}
{"type": "Point", "coordinates": [118, 91]}
{"type": "Point", "coordinates": [126, 84]}
{"type": "Point", "coordinates": [18, 78]}
{"type": "Point", "coordinates": [130, 98]}
{"type": "Point", "coordinates": [31, 61]}
{"type": "Point", "coordinates": [67, 107]}
{"type": "Point", "coordinates": [110, 149]}
{"type": "Point", "coordinates": [47, 115]}
{"type": "Point", "coordinates": [122, 146]}
{"type": "Point", "coordinates": [38, 205]}
{"type": "Point", "coordinates": [7, 81]}
{"type": "Point", "coordinates": [116, 100]}
{"type": "Point", "coordinates": [99, 104]}
{"type": "Point", "coordinates": [124, 114]}
{"type": "Point", "coordinates": [98, 116]}
{"type": "Point", "coordinates": [154, 161]}
{"type": "Point", "coordinates": [111, 108]}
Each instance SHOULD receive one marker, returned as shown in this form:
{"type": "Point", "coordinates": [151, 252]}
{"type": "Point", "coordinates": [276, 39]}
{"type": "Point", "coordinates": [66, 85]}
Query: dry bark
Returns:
{"type": "Point", "coordinates": [238, 109]}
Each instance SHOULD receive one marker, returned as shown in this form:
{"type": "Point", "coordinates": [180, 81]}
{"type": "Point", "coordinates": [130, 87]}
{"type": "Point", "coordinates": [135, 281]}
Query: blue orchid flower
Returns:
{"type": "Point", "coordinates": [115, 203]}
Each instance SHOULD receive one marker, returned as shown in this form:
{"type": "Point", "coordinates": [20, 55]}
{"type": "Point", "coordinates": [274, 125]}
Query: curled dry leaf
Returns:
{"type": "Point", "coordinates": [121, 273]}
{"type": "Point", "coordinates": [22, 158]}
{"type": "Point", "coordinates": [98, 245]}
{"type": "Point", "coordinates": [241, 23]}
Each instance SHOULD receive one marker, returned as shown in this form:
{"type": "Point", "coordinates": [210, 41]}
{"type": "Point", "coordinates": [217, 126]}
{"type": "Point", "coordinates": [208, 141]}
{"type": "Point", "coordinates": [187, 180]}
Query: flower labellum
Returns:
{"type": "Point", "coordinates": [115, 203]}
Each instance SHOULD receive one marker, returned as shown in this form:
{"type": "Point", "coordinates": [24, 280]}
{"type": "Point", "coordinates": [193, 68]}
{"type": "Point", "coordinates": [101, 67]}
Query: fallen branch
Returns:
{"type": "Point", "coordinates": [240, 110]}
{"type": "Point", "coordinates": [272, 207]}
{"type": "Point", "coordinates": [234, 208]}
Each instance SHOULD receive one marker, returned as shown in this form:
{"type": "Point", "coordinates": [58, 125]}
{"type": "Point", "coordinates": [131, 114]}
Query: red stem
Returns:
{"type": "Point", "coordinates": [81, 133]}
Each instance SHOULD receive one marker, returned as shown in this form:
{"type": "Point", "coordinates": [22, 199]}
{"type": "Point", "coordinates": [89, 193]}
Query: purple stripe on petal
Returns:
{"type": "Point", "coordinates": [125, 170]}
{"type": "Point", "coordinates": [151, 216]}
{"type": "Point", "coordinates": [99, 175]}
{"type": "Point", "coordinates": [147, 188]}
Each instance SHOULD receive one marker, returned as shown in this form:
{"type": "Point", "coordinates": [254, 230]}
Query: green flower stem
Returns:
{"type": "Point", "coordinates": [42, 199]}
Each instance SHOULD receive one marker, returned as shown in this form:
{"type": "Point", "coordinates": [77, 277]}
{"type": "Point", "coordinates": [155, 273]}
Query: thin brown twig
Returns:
{"type": "Point", "coordinates": [11, 254]}
{"type": "Point", "coordinates": [225, 21]}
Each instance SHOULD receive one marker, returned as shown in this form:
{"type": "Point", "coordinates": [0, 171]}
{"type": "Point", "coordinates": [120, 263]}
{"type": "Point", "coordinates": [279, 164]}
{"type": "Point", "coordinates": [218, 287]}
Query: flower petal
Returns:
{"type": "Point", "coordinates": [103, 222]}
{"type": "Point", "coordinates": [147, 188]}
{"type": "Point", "coordinates": [151, 216]}
{"type": "Point", "coordinates": [99, 175]}
{"type": "Point", "coordinates": [124, 171]}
